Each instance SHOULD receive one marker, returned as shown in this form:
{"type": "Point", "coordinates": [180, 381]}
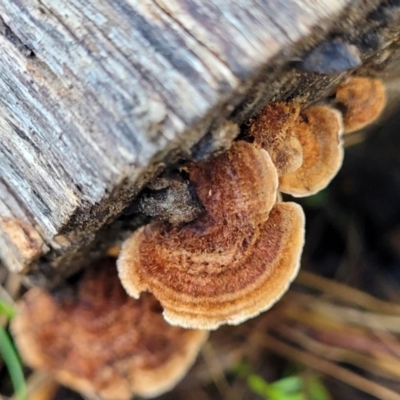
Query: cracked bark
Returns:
{"type": "Point", "coordinates": [97, 97]}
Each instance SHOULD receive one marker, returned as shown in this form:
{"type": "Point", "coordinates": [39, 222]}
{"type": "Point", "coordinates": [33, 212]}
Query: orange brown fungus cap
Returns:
{"type": "Point", "coordinates": [319, 131]}
{"type": "Point", "coordinates": [229, 265]}
{"type": "Point", "coordinates": [236, 188]}
{"type": "Point", "coordinates": [272, 130]}
{"type": "Point", "coordinates": [100, 342]}
{"type": "Point", "coordinates": [362, 101]}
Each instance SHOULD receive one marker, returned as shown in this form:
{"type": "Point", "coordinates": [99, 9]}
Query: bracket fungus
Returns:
{"type": "Point", "coordinates": [319, 130]}
{"type": "Point", "coordinates": [102, 343]}
{"type": "Point", "coordinates": [233, 262]}
{"type": "Point", "coordinates": [361, 101]}
{"type": "Point", "coordinates": [305, 147]}
{"type": "Point", "coordinates": [272, 131]}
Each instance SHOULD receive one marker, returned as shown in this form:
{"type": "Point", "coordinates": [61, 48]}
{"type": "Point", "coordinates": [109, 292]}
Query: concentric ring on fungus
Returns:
{"type": "Point", "coordinates": [306, 147]}
{"type": "Point", "coordinates": [272, 130]}
{"type": "Point", "coordinates": [233, 262]}
{"type": "Point", "coordinates": [362, 101]}
{"type": "Point", "coordinates": [97, 340]}
{"type": "Point", "coordinates": [319, 130]}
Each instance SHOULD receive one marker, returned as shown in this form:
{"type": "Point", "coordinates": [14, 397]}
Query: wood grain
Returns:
{"type": "Point", "coordinates": [97, 96]}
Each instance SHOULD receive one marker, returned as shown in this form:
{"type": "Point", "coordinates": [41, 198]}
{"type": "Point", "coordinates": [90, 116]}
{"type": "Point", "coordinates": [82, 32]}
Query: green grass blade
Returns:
{"type": "Point", "coordinates": [290, 384]}
{"type": "Point", "coordinates": [11, 359]}
{"type": "Point", "coordinates": [316, 390]}
{"type": "Point", "coordinates": [259, 386]}
{"type": "Point", "coordinates": [6, 310]}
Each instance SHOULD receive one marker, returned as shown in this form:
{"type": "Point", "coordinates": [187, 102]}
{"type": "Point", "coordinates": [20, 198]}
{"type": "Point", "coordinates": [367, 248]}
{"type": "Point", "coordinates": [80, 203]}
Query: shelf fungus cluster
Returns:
{"type": "Point", "coordinates": [239, 257]}
{"type": "Point", "coordinates": [305, 147]}
{"type": "Point", "coordinates": [231, 263]}
{"type": "Point", "coordinates": [97, 340]}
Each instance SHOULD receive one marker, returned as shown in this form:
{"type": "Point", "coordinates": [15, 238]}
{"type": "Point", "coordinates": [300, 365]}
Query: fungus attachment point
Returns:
{"type": "Point", "coordinates": [168, 197]}
{"type": "Point", "coordinates": [101, 342]}
{"type": "Point", "coordinates": [272, 130]}
{"type": "Point", "coordinates": [232, 263]}
{"type": "Point", "coordinates": [362, 100]}
{"type": "Point", "coordinates": [319, 131]}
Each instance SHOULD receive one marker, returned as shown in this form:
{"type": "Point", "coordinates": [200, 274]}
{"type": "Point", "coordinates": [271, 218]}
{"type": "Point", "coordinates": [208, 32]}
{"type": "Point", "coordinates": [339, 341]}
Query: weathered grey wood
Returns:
{"type": "Point", "coordinates": [96, 96]}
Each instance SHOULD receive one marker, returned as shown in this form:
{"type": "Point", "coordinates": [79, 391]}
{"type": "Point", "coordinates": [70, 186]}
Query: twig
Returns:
{"type": "Point", "coordinates": [366, 319]}
{"type": "Point", "coordinates": [381, 364]}
{"type": "Point", "coordinates": [348, 294]}
{"type": "Point", "coordinates": [216, 370]}
{"type": "Point", "coordinates": [328, 368]}
{"type": "Point", "coordinates": [5, 296]}
{"type": "Point", "coordinates": [13, 285]}
{"type": "Point", "coordinates": [302, 308]}
{"type": "Point", "coordinates": [352, 139]}
{"type": "Point", "coordinates": [40, 386]}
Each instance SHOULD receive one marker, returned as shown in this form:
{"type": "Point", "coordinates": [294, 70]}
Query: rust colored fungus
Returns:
{"type": "Point", "coordinates": [272, 130]}
{"type": "Point", "coordinates": [361, 100]}
{"type": "Point", "coordinates": [232, 263]}
{"type": "Point", "coordinates": [99, 341]}
{"type": "Point", "coordinates": [319, 130]}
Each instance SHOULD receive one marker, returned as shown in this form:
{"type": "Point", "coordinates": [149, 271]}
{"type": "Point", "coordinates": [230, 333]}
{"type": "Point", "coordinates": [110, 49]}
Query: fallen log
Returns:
{"type": "Point", "coordinates": [97, 98]}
